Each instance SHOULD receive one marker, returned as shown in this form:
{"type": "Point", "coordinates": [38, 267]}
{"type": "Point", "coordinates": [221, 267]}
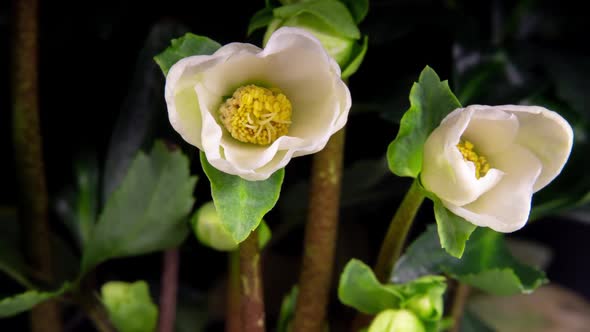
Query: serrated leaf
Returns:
{"type": "Point", "coordinates": [242, 204]}
{"type": "Point", "coordinates": [358, 9]}
{"type": "Point", "coordinates": [14, 305]}
{"type": "Point", "coordinates": [185, 46]}
{"type": "Point", "coordinates": [148, 212]}
{"type": "Point", "coordinates": [332, 13]}
{"type": "Point", "coordinates": [360, 289]}
{"type": "Point", "coordinates": [358, 55]}
{"type": "Point", "coordinates": [287, 310]}
{"type": "Point", "coordinates": [260, 19]}
{"type": "Point", "coordinates": [143, 111]}
{"type": "Point", "coordinates": [453, 230]}
{"type": "Point", "coordinates": [130, 306]}
{"type": "Point", "coordinates": [486, 263]}
{"type": "Point", "coordinates": [431, 100]}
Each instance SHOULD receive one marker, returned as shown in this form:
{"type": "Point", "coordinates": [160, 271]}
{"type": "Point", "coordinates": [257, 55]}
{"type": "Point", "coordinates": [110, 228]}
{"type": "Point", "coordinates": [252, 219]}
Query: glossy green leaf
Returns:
{"type": "Point", "coordinates": [453, 230]}
{"type": "Point", "coordinates": [241, 204]}
{"type": "Point", "coordinates": [130, 306]}
{"type": "Point", "coordinates": [287, 312]}
{"type": "Point", "coordinates": [358, 9]}
{"type": "Point", "coordinates": [332, 13]}
{"type": "Point", "coordinates": [358, 55]}
{"type": "Point", "coordinates": [431, 100]}
{"type": "Point", "coordinates": [360, 289]}
{"type": "Point", "coordinates": [14, 305]}
{"type": "Point", "coordinates": [185, 46]}
{"type": "Point", "coordinates": [486, 263]}
{"type": "Point", "coordinates": [260, 19]}
{"type": "Point", "coordinates": [148, 212]}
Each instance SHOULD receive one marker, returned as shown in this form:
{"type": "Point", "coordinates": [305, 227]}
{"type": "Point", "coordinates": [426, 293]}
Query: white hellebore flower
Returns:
{"type": "Point", "coordinates": [251, 110]}
{"type": "Point", "coordinates": [485, 162]}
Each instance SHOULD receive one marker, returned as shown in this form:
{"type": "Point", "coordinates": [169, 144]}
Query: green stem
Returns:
{"type": "Point", "coordinates": [33, 201]}
{"type": "Point", "coordinates": [320, 237]}
{"type": "Point", "coordinates": [393, 244]}
{"type": "Point", "coordinates": [252, 300]}
{"type": "Point", "coordinates": [233, 322]}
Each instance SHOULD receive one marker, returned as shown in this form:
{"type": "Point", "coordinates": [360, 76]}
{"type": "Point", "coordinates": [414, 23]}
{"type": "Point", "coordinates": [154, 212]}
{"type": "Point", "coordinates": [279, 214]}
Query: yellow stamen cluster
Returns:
{"type": "Point", "coordinates": [256, 115]}
{"type": "Point", "coordinates": [481, 164]}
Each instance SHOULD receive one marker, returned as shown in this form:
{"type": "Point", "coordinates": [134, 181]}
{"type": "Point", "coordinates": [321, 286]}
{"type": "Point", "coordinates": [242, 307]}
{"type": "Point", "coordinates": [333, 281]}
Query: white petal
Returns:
{"type": "Point", "coordinates": [181, 99]}
{"type": "Point", "coordinates": [547, 135]}
{"type": "Point", "coordinates": [445, 172]}
{"type": "Point", "coordinates": [490, 129]}
{"type": "Point", "coordinates": [505, 208]}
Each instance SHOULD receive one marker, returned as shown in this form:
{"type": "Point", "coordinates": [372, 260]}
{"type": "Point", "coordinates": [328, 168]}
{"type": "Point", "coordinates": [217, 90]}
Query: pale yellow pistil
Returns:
{"type": "Point", "coordinates": [256, 115]}
{"type": "Point", "coordinates": [481, 164]}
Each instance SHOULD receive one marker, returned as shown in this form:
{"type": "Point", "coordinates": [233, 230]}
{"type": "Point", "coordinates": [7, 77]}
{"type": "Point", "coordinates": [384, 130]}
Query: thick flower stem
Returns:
{"type": "Point", "coordinates": [233, 322]}
{"type": "Point", "coordinates": [33, 201]}
{"type": "Point", "coordinates": [169, 290]}
{"type": "Point", "coordinates": [393, 244]}
{"type": "Point", "coordinates": [252, 300]}
{"type": "Point", "coordinates": [320, 237]}
{"type": "Point", "coordinates": [458, 305]}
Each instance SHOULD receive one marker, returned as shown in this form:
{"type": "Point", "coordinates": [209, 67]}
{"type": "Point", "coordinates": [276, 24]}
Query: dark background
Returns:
{"type": "Point", "coordinates": [97, 78]}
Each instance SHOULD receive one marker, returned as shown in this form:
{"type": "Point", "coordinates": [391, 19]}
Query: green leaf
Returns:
{"type": "Point", "coordinates": [287, 310]}
{"type": "Point", "coordinates": [360, 289]}
{"type": "Point", "coordinates": [241, 204]}
{"type": "Point", "coordinates": [453, 230]}
{"type": "Point", "coordinates": [486, 263]}
{"type": "Point", "coordinates": [431, 100]}
{"type": "Point", "coordinates": [260, 19]}
{"type": "Point", "coordinates": [358, 55]}
{"type": "Point", "coordinates": [148, 212]}
{"type": "Point", "coordinates": [79, 208]}
{"type": "Point", "coordinates": [14, 305]}
{"type": "Point", "coordinates": [358, 8]}
{"type": "Point", "coordinates": [130, 306]}
{"type": "Point", "coordinates": [332, 13]}
{"type": "Point", "coordinates": [185, 46]}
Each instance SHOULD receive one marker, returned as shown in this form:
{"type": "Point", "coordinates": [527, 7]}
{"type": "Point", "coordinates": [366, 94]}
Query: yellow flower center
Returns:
{"type": "Point", "coordinates": [256, 115]}
{"type": "Point", "coordinates": [481, 164]}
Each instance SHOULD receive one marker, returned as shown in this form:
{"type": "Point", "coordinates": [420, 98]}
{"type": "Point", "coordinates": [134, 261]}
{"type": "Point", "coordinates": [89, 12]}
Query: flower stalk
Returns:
{"type": "Point", "coordinates": [233, 322]}
{"type": "Point", "coordinates": [33, 201]}
{"type": "Point", "coordinates": [393, 244]}
{"type": "Point", "coordinates": [169, 290]}
{"type": "Point", "coordinates": [320, 236]}
{"type": "Point", "coordinates": [458, 305]}
{"type": "Point", "coordinates": [252, 300]}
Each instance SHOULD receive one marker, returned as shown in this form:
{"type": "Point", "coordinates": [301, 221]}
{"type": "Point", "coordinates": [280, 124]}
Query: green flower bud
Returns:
{"type": "Point", "coordinates": [209, 230]}
{"type": "Point", "coordinates": [428, 306]}
{"type": "Point", "coordinates": [130, 306]}
{"type": "Point", "coordinates": [396, 321]}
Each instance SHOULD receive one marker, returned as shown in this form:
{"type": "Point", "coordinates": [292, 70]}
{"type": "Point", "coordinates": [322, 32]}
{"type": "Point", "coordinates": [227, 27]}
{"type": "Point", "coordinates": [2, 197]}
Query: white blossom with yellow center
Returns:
{"type": "Point", "coordinates": [485, 162]}
{"type": "Point", "coordinates": [251, 110]}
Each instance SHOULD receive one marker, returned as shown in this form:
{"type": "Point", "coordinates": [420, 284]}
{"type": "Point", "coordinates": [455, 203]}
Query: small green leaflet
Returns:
{"type": "Point", "coordinates": [242, 204]}
{"type": "Point", "coordinates": [185, 46]}
{"type": "Point", "coordinates": [14, 305]}
{"type": "Point", "coordinates": [431, 100]}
